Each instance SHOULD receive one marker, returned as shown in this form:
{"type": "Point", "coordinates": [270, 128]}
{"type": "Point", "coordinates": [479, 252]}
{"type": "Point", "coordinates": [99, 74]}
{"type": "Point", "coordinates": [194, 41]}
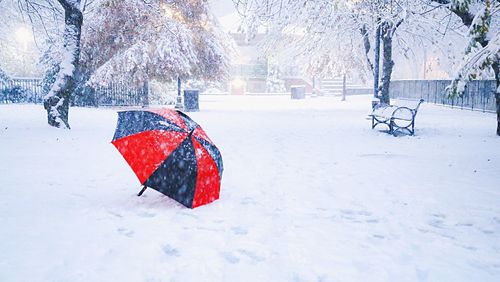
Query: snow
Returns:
{"type": "Point", "coordinates": [310, 192]}
{"type": "Point", "coordinates": [67, 68]}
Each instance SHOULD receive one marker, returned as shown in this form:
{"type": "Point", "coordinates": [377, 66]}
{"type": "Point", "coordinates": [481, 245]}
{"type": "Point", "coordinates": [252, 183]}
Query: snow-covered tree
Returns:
{"type": "Point", "coordinates": [274, 83]}
{"type": "Point", "coordinates": [342, 60]}
{"type": "Point", "coordinates": [482, 53]}
{"type": "Point", "coordinates": [56, 102]}
{"type": "Point", "coordinates": [304, 34]}
{"type": "Point", "coordinates": [319, 29]}
{"type": "Point", "coordinates": [124, 40]}
{"type": "Point", "coordinates": [137, 41]}
{"type": "Point", "coordinates": [40, 13]}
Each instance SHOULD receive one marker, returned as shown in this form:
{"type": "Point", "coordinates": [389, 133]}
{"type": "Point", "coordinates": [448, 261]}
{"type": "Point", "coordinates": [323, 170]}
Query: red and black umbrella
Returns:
{"type": "Point", "coordinates": [171, 153]}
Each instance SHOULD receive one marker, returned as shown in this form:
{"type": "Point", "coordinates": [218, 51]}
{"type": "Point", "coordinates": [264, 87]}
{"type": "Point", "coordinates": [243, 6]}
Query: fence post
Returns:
{"type": "Point", "coordinates": [95, 95]}
{"type": "Point", "coordinates": [145, 94]}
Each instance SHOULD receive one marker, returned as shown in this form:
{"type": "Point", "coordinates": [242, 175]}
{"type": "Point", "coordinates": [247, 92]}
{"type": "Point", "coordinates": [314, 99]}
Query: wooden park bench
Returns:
{"type": "Point", "coordinates": [399, 119]}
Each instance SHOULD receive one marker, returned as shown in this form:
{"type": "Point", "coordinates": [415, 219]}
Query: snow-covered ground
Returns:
{"type": "Point", "coordinates": [309, 193]}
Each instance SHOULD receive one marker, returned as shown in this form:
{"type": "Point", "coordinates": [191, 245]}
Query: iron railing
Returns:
{"type": "Point", "coordinates": [478, 95]}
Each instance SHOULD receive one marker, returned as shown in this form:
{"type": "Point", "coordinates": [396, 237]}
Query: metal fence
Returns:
{"type": "Point", "coordinates": [479, 94]}
{"type": "Point", "coordinates": [21, 90]}
{"type": "Point", "coordinates": [30, 90]}
{"type": "Point", "coordinates": [115, 94]}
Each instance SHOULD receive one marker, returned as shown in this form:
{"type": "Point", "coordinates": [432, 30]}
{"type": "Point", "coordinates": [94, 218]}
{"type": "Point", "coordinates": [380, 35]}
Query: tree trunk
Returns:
{"type": "Point", "coordinates": [376, 64]}
{"type": "Point", "coordinates": [387, 34]}
{"type": "Point", "coordinates": [374, 67]}
{"type": "Point", "coordinates": [56, 102]}
{"type": "Point", "coordinates": [496, 69]}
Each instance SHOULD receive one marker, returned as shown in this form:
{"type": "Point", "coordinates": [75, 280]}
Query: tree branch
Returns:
{"type": "Point", "coordinates": [465, 16]}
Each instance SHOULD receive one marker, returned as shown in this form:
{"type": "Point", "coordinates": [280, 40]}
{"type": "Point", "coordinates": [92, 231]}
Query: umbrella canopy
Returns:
{"type": "Point", "coordinates": [171, 153]}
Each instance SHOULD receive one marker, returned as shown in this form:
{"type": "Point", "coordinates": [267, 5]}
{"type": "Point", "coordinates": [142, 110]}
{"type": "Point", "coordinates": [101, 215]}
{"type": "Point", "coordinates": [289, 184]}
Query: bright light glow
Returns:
{"type": "Point", "coordinates": [170, 12]}
{"type": "Point", "coordinates": [24, 36]}
{"type": "Point", "coordinates": [205, 24]}
{"type": "Point", "coordinates": [167, 11]}
{"type": "Point", "coordinates": [238, 82]}
{"type": "Point", "coordinates": [238, 86]}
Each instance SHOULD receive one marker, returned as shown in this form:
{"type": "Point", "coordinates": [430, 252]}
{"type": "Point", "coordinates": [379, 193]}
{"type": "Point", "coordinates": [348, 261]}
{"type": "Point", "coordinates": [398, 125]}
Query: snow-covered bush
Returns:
{"type": "Point", "coordinates": [15, 94]}
{"type": "Point", "coordinates": [274, 83]}
{"type": "Point", "coordinates": [4, 78]}
{"type": "Point", "coordinates": [162, 93]}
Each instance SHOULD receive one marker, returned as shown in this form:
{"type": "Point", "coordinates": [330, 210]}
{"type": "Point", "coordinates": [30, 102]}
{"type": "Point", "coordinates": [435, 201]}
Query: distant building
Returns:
{"type": "Point", "coordinates": [251, 71]}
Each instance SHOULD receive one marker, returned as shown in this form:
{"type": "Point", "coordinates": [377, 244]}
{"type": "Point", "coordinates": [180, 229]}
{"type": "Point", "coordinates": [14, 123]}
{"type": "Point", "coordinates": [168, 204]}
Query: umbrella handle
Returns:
{"type": "Point", "coordinates": [142, 191]}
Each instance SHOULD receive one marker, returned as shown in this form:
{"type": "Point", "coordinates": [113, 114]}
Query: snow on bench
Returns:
{"type": "Point", "coordinates": [399, 119]}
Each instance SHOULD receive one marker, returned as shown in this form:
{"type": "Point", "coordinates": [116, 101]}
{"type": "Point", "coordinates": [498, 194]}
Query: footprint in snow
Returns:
{"type": "Point", "coordinates": [357, 216]}
{"type": "Point", "coordinates": [170, 251]}
{"type": "Point", "coordinates": [229, 257]}
{"type": "Point", "coordinates": [470, 248]}
{"type": "Point", "coordinates": [466, 224]}
{"type": "Point", "coordinates": [353, 212]}
{"type": "Point", "coordinates": [78, 195]}
{"type": "Point", "coordinates": [248, 201]}
{"type": "Point", "coordinates": [254, 257]}
{"type": "Point", "coordinates": [146, 214]}
{"type": "Point", "coordinates": [439, 215]}
{"type": "Point", "coordinates": [125, 232]}
{"type": "Point", "coordinates": [422, 275]}
{"type": "Point", "coordinates": [188, 215]}
{"type": "Point", "coordinates": [437, 223]}
{"type": "Point", "coordinates": [237, 230]}
{"type": "Point", "coordinates": [116, 214]}
{"type": "Point", "coordinates": [487, 232]}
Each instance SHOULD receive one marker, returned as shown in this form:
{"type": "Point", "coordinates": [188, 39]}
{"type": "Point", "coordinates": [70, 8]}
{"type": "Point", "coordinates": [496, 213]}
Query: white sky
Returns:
{"type": "Point", "coordinates": [226, 13]}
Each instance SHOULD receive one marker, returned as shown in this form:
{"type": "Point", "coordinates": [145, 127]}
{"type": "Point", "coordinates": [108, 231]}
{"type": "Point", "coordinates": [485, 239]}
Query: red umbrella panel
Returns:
{"type": "Point", "coordinates": [170, 153]}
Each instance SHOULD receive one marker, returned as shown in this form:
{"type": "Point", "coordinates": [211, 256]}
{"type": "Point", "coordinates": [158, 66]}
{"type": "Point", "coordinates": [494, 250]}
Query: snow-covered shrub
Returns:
{"type": "Point", "coordinates": [162, 93]}
{"type": "Point", "coordinates": [4, 78]}
{"type": "Point", "coordinates": [274, 83]}
{"type": "Point", "coordinates": [15, 94]}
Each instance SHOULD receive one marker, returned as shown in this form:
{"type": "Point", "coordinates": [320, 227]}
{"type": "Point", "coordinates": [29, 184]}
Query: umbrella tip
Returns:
{"type": "Point", "coordinates": [142, 191]}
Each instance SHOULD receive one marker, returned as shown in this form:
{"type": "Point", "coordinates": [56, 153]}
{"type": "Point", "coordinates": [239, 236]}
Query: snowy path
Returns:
{"type": "Point", "coordinates": [310, 193]}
